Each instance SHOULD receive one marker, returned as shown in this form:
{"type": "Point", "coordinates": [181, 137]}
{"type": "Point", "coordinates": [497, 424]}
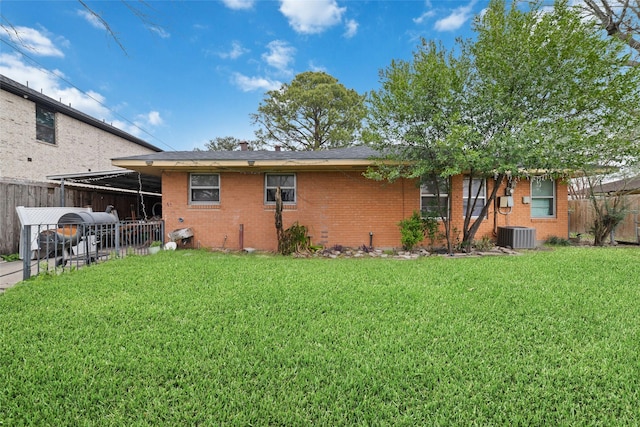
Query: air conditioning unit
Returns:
{"type": "Point", "coordinates": [517, 237]}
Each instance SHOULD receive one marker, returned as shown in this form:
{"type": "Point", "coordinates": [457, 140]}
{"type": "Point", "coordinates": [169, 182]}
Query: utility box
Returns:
{"type": "Point", "coordinates": [517, 237]}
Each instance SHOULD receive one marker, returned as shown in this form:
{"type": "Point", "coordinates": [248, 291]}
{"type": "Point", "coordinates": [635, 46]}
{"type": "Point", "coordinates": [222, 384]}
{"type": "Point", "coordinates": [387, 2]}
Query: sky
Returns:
{"type": "Point", "coordinates": [179, 73]}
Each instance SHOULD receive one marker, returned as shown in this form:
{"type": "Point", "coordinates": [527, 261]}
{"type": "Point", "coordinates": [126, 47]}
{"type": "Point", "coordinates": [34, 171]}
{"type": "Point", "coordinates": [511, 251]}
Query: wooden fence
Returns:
{"type": "Point", "coordinates": [581, 219]}
{"type": "Point", "coordinates": [16, 193]}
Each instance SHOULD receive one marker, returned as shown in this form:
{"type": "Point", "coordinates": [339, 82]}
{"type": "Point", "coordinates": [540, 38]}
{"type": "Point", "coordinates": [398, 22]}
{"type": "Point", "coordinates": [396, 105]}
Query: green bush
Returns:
{"type": "Point", "coordinates": [557, 241]}
{"type": "Point", "coordinates": [483, 244]}
{"type": "Point", "coordinates": [10, 257]}
{"type": "Point", "coordinates": [412, 231]}
{"type": "Point", "coordinates": [294, 239]}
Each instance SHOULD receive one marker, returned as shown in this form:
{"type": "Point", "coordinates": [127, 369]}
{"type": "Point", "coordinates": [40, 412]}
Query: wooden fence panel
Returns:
{"type": "Point", "coordinates": [582, 216]}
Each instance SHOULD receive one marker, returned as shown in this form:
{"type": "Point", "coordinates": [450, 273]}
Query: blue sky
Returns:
{"type": "Point", "coordinates": [191, 71]}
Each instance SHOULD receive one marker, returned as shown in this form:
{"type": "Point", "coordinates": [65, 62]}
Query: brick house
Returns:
{"type": "Point", "coordinates": [227, 198]}
{"type": "Point", "coordinates": [41, 137]}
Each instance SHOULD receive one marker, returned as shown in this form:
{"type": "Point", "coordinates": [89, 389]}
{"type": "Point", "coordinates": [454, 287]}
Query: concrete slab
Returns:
{"type": "Point", "coordinates": [10, 274]}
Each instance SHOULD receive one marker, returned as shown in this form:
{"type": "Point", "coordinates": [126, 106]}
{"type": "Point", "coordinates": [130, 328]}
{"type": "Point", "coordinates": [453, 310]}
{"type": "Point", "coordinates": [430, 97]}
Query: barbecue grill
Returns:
{"type": "Point", "coordinates": [80, 233]}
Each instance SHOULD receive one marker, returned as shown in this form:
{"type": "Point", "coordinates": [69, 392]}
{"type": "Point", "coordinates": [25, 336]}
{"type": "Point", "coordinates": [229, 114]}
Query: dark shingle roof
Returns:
{"type": "Point", "coordinates": [349, 153]}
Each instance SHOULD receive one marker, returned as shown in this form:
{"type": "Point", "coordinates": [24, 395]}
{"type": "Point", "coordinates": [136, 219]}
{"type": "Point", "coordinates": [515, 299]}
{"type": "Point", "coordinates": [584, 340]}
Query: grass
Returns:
{"type": "Point", "coordinates": [194, 338]}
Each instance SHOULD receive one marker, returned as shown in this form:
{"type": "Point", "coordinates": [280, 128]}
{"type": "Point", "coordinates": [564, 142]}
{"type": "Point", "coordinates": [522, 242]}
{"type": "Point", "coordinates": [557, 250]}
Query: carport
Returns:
{"type": "Point", "coordinates": [146, 187]}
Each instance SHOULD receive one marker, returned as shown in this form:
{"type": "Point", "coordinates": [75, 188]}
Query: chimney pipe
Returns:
{"type": "Point", "coordinates": [244, 146]}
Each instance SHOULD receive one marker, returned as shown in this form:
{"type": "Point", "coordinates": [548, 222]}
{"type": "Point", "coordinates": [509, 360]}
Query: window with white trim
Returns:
{"type": "Point", "coordinates": [45, 125]}
{"type": "Point", "coordinates": [204, 188]}
{"type": "Point", "coordinates": [543, 198]}
{"type": "Point", "coordinates": [478, 193]}
{"type": "Point", "coordinates": [434, 198]}
{"type": "Point", "coordinates": [287, 184]}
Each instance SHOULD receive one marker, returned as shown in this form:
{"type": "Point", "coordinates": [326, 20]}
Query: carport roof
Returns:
{"type": "Point", "coordinates": [114, 180]}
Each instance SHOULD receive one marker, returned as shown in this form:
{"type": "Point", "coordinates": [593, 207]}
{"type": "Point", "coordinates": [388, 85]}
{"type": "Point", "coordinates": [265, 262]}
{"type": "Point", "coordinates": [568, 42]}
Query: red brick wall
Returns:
{"type": "Point", "coordinates": [520, 215]}
{"type": "Point", "coordinates": [338, 208]}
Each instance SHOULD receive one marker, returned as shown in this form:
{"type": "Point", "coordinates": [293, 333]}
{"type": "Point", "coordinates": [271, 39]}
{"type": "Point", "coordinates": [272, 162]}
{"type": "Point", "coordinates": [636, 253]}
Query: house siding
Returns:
{"type": "Point", "coordinates": [79, 146]}
{"type": "Point", "coordinates": [338, 208]}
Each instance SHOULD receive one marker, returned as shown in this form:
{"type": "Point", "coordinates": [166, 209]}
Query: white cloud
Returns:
{"type": "Point", "coordinates": [134, 128]}
{"type": "Point", "coordinates": [33, 40]}
{"type": "Point", "coordinates": [314, 67]}
{"type": "Point", "coordinates": [249, 84]}
{"type": "Point", "coordinates": [160, 31]}
{"type": "Point", "coordinates": [239, 4]}
{"type": "Point", "coordinates": [154, 119]}
{"type": "Point", "coordinates": [352, 28]}
{"type": "Point", "coordinates": [456, 19]}
{"type": "Point", "coordinates": [235, 52]}
{"type": "Point", "coordinates": [428, 14]}
{"type": "Point", "coordinates": [52, 84]}
{"type": "Point", "coordinates": [311, 16]}
{"type": "Point", "coordinates": [279, 56]}
{"type": "Point", "coordinates": [91, 19]}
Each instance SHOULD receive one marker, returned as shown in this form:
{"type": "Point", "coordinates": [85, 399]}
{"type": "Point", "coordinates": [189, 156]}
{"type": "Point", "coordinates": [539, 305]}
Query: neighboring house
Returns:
{"type": "Point", "coordinates": [228, 198]}
{"type": "Point", "coordinates": [41, 137]}
{"type": "Point", "coordinates": [624, 186]}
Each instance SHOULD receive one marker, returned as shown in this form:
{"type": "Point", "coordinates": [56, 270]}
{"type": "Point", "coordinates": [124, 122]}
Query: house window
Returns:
{"type": "Point", "coordinates": [45, 125]}
{"type": "Point", "coordinates": [478, 193]}
{"type": "Point", "coordinates": [204, 189]}
{"type": "Point", "coordinates": [287, 184]}
{"type": "Point", "coordinates": [434, 198]}
{"type": "Point", "coordinates": [543, 198]}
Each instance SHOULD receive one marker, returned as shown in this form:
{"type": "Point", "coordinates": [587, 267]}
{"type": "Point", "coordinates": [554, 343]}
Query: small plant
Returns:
{"type": "Point", "coordinates": [412, 231]}
{"type": "Point", "coordinates": [557, 241]}
{"type": "Point", "coordinates": [483, 244]}
{"type": "Point", "coordinates": [430, 227]}
{"type": "Point", "coordinates": [155, 244]}
{"type": "Point", "coordinates": [366, 249]}
{"type": "Point", "coordinates": [294, 239]}
{"type": "Point", "coordinates": [43, 267]}
{"type": "Point", "coordinates": [11, 257]}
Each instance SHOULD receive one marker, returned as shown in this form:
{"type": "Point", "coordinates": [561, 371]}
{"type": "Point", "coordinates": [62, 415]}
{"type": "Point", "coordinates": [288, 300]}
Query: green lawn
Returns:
{"type": "Point", "coordinates": [194, 338]}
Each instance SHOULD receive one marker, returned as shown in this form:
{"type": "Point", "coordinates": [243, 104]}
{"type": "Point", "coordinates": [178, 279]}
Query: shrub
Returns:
{"type": "Point", "coordinates": [430, 228]}
{"type": "Point", "coordinates": [483, 244]}
{"type": "Point", "coordinates": [11, 257]}
{"type": "Point", "coordinates": [294, 239]}
{"type": "Point", "coordinates": [412, 231]}
{"type": "Point", "coordinates": [557, 241]}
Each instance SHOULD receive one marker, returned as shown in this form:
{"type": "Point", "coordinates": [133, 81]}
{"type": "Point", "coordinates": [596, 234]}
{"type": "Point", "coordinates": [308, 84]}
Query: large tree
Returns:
{"type": "Point", "coordinates": [620, 19]}
{"type": "Point", "coordinates": [313, 112]}
{"type": "Point", "coordinates": [537, 91]}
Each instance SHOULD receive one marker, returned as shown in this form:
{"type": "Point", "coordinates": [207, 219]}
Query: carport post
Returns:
{"type": "Point", "coordinates": [26, 252]}
{"type": "Point", "coordinates": [62, 192]}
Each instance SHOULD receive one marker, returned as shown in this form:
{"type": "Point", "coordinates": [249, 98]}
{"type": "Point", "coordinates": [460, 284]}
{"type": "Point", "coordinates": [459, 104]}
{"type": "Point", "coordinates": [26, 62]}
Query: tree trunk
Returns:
{"type": "Point", "coordinates": [278, 218]}
{"type": "Point", "coordinates": [470, 233]}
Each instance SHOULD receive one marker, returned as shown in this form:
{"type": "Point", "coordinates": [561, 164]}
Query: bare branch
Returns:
{"type": "Point", "coordinates": [621, 19]}
{"type": "Point", "coordinates": [104, 23]}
